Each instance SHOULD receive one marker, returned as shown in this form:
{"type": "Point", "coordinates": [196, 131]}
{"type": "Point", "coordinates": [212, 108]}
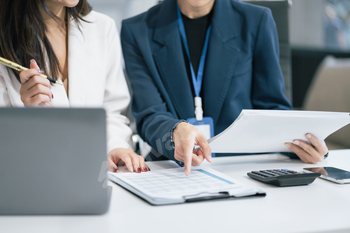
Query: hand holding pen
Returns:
{"type": "Point", "coordinates": [35, 90]}
{"type": "Point", "coordinates": [18, 67]}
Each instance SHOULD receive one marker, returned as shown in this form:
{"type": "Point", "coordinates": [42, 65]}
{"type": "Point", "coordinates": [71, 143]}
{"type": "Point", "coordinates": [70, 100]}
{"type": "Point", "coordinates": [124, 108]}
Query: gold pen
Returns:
{"type": "Point", "coordinates": [17, 67]}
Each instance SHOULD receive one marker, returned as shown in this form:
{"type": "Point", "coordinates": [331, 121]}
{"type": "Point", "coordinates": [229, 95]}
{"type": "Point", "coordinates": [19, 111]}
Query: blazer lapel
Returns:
{"type": "Point", "coordinates": [76, 57]}
{"type": "Point", "coordinates": [170, 60]}
{"type": "Point", "coordinates": [221, 59]}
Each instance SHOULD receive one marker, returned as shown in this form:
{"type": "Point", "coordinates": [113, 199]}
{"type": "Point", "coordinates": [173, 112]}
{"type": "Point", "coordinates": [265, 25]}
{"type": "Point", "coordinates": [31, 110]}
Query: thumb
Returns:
{"type": "Point", "coordinates": [34, 65]}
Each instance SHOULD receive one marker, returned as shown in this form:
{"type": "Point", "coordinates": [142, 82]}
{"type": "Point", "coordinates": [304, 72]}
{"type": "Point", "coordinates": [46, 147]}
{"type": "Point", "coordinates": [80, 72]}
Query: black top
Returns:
{"type": "Point", "coordinates": [196, 30]}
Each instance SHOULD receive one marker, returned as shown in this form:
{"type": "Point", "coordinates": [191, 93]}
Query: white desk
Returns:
{"type": "Point", "coordinates": [320, 207]}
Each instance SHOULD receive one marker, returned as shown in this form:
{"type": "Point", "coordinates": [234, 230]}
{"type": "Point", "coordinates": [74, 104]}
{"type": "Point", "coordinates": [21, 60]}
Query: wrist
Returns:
{"type": "Point", "coordinates": [172, 132]}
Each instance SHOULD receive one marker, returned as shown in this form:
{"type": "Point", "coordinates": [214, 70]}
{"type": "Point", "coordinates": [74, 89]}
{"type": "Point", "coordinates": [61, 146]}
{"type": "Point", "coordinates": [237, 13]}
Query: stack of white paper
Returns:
{"type": "Point", "coordinates": [260, 131]}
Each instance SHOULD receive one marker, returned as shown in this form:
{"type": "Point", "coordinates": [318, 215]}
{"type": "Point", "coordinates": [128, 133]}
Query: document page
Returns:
{"type": "Point", "coordinates": [261, 131]}
{"type": "Point", "coordinates": [174, 186]}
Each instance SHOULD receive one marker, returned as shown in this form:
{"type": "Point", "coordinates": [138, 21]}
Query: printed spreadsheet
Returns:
{"type": "Point", "coordinates": [174, 181]}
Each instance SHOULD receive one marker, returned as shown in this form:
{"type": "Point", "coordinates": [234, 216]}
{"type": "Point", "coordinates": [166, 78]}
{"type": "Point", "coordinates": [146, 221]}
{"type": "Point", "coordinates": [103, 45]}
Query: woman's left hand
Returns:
{"type": "Point", "coordinates": [134, 162]}
{"type": "Point", "coordinates": [309, 153]}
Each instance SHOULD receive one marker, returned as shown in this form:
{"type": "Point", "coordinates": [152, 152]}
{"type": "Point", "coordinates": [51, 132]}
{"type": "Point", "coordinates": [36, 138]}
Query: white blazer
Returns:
{"type": "Point", "coordinates": [96, 77]}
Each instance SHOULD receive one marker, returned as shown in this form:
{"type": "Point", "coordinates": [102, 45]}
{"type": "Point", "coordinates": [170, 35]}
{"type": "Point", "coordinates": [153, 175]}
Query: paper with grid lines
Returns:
{"type": "Point", "coordinates": [170, 186]}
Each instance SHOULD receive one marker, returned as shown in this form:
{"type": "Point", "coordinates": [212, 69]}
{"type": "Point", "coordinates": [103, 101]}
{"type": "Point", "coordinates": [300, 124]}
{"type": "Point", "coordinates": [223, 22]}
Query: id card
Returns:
{"type": "Point", "coordinates": [206, 127]}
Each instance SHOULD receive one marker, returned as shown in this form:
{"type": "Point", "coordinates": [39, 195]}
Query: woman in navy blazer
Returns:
{"type": "Point", "coordinates": [241, 72]}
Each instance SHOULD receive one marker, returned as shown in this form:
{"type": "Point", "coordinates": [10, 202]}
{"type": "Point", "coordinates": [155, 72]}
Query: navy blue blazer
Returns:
{"type": "Point", "coordinates": [241, 72]}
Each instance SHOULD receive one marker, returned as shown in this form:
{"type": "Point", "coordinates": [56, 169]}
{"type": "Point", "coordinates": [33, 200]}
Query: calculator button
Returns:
{"type": "Point", "coordinates": [289, 171]}
{"type": "Point", "coordinates": [261, 174]}
{"type": "Point", "coordinates": [269, 173]}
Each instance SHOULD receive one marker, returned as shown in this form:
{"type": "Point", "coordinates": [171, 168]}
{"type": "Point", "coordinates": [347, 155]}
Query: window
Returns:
{"type": "Point", "coordinates": [336, 24]}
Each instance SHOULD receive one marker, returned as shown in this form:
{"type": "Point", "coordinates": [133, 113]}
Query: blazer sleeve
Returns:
{"type": "Point", "coordinates": [268, 82]}
{"type": "Point", "coordinates": [154, 121]}
{"type": "Point", "coordinates": [4, 96]}
{"type": "Point", "coordinates": [116, 96]}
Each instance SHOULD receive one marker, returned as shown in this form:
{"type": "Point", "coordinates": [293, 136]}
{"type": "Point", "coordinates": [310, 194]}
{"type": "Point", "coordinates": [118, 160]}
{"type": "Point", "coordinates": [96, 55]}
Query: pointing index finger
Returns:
{"type": "Point", "coordinates": [188, 148]}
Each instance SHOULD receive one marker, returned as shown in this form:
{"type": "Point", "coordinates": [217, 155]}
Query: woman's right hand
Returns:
{"type": "Point", "coordinates": [185, 137]}
{"type": "Point", "coordinates": [35, 90]}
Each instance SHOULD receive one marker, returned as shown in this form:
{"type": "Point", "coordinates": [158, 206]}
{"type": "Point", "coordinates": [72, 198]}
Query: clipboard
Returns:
{"type": "Point", "coordinates": [171, 186]}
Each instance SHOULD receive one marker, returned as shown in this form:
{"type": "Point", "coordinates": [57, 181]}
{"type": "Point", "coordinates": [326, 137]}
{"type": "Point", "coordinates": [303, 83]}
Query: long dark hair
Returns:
{"type": "Point", "coordinates": [22, 32]}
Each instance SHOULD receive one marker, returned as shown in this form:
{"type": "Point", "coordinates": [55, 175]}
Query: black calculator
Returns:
{"type": "Point", "coordinates": [283, 177]}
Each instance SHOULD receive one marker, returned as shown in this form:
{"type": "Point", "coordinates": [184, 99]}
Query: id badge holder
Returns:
{"type": "Point", "coordinates": [206, 127]}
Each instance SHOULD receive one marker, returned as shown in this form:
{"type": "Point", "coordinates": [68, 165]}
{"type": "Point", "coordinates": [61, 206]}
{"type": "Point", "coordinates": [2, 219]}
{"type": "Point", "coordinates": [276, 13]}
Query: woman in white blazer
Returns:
{"type": "Point", "coordinates": [77, 47]}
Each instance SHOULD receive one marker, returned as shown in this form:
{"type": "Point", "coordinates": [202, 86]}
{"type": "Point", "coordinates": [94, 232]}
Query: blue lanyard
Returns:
{"type": "Point", "coordinates": [197, 80]}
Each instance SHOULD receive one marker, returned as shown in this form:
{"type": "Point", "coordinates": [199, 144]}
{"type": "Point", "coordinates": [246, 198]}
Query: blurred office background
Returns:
{"type": "Point", "coordinates": [310, 31]}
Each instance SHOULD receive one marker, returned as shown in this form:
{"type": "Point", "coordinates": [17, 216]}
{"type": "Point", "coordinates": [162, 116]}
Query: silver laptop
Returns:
{"type": "Point", "coordinates": [53, 161]}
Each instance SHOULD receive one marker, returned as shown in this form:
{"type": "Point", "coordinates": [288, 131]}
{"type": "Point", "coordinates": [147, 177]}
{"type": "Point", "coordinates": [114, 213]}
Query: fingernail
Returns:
{"type": "Point", "coordinates": [40, 71]}
{"type": "Point", "coordinates": [114, 169]}
{"type": "Point", "coordinates": [33, 60]}
{"type": "Point", "coordinates": [296, 142]}
{"type": "Point", "coordinates": [308, 135]}
{"type": "Point", "coordinates": [52, 96]}
{"type": "Point", "coordinates": [139, 170]}
{"type": "Point", "coordinates": [145, 169]}
{"type": "Point", "coordinates": [288, 145]}
{"type": "Point", "coordinates": [131, 169]}
{"type": "Point", "coordinates": [149, 169]}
